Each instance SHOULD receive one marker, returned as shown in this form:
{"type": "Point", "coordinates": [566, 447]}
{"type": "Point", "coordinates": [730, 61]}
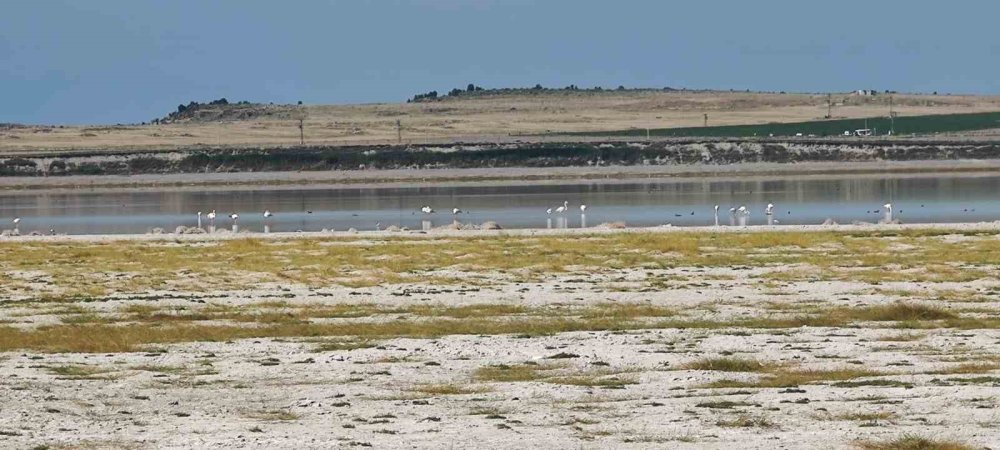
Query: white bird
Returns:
{"type": "Point", "coordinates": [563, 208]}
{"type": "Point", "coordinates": [199, 219]}
{"type": "Point", "coordinates": [211, 217]}
{"type": "Point", "coordinates": [743, 210]}
{"type": "Point", "coordinates": [732, 211]}
{"type": "Point", "coordinates": [456, 211]}
{"type": "Point", "coordinates": [583, 209]}
{"type": "Point", "coordinates": [888, 207]}
{"type": "Point", "coordinates": [234, 216]}
{"type": "Point", "coordinates": [16, 221]}
{"type": "Point", "coordinates": [548, 211]}
{"type": "Point", "coordinates": [716, 209]}
{"type": "Point", "coordinates": [770, 209]}
{"type": "Point", "coordinates": [427, 210]}
{"type": "Point", "coordinates": [267, 213]}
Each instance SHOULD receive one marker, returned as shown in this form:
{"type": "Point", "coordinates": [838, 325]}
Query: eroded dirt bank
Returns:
{"type": "Point", "coordinates": [485, 162]}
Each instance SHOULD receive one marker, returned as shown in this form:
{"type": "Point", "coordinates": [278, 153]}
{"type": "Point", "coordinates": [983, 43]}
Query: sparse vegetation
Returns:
{"type": "Point", "coordinates": [746, 421]}
{"type": "Point", "coordinates": [629, 313]}
{"type": "Point", "coordinates": [729, 365]}
{"type": "Point", "coordinates": [926, 124]}
{"type": "Point", "coordinates": [781, 378]}
{"type": "Point", "coordinates": [912, 442]}
{"type": "Point", "coordinates": [273, 415]}
{"type": "Point", "coordinates": [447, 389]}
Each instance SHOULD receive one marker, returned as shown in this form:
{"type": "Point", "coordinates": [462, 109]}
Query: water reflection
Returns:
{"type": "Point", "coordinates": [946, 198]}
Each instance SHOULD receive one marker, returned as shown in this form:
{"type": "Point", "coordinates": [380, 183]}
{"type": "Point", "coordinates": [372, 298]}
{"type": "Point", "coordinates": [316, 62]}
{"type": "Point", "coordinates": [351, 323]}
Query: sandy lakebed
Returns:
{"type": "Point", "coordinates": [796, 337]}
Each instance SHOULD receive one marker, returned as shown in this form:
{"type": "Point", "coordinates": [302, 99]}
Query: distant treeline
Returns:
{"type": "Point", "coordinates": [473, 90]}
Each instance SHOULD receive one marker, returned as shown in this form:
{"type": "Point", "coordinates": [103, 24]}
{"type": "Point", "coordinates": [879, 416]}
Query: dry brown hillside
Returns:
{"type": "Point", "coordinates": [489, 118]}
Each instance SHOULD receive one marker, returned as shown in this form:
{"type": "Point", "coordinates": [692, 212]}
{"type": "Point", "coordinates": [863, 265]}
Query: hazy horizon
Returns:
{"type": "Point", "coordinates": [116, 61]}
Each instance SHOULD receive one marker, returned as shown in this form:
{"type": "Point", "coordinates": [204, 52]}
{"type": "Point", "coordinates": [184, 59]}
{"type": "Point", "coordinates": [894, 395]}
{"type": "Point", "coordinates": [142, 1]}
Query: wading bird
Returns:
{"type": "Point", "coordinates": [583, 209]}
{"type": "Point", "coordinates": [770, 209]}
{"type": "Point", "coordinates": [563, 208]}
{"type": "Point", "coordinates": [199, 219]}
{"type": "Point", "coordinates": [211, 218]}
{"type": "Point", "coordinates": [456, 211]}
{"type": "Point", "coordinates": [427, 210]}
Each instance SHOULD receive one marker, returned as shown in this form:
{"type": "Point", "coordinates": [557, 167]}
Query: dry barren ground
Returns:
{"type": "Point", "coordinates": [796, 339]}
{"type": "Point", "coordinates": [491, 118]}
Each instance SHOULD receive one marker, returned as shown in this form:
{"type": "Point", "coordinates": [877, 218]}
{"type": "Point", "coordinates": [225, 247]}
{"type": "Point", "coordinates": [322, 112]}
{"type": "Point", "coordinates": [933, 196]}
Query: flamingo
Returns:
{"type": "Point", "coordinates": [16, 221]}
{"type": "Point", "coordinates": [563, 208]}
{"type": "Point", "coordinates": [211, 218]}
{"type": "Point", "coordinates": [770, 209]}
{"type": "Point", "coordinates": [743, 210]}
{"type": "Point", "coordinates": [456, 211]}
{"type": "Point", "coordinates": [199, 219]}
{"type": "Point", "coordinates": [427, 210]}
{"type": "Point", "coordinates": [267, 214]}
{"type": "Point", "coordinates": [548, 211]}
{"type": "Point", "coordinates": [234, 216]}
{"type": "Point", "coordinates": [583, 209]}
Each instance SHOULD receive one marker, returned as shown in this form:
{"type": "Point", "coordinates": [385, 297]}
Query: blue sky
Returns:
{"type": "Point", "coordinates": [110, 61]}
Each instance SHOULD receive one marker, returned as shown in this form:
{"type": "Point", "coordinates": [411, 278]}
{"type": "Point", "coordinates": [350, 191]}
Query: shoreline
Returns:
{"type": "Point", "coordinates": [485, 176]}
{"type": "Point", "coordinates": [959, 227]}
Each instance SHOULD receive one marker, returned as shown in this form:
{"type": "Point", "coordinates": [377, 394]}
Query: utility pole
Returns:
{"type": "Point", "coordinates": [892, 118]}
{"type": "Point", "coordinates": [706, 119]}
{"type": "Point", "coordinates": [829, 106]}
{"type": "Point", "coordinates": [399, 131]}
{"type": "Point", "coordinates": [302, 132]}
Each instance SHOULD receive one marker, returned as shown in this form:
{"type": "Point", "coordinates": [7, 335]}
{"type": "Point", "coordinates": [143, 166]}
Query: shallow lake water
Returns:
{"type": "Point", "coordinates": [797, 200]}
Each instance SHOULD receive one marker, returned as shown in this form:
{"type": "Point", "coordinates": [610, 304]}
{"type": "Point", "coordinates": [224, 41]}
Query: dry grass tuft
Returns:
{"type": "Point", "coordinates": [900, 312]}
{"type": "Point", "coordinates": [729, 365]}
{"type": "Point", "coordinates": [782, 378]}
{"type": "Point", "coordinates": [80, 372]}
{"type": "Point", "coordinates": [273, 415]}
{"type": "Point", "coordinates": [746, 421]}
{"type": "Point", "coordinates": [912, 442]}
{"type": "Point", "coordinates": [448, 389]}
{"type": "Point", "coordinates": [968, 368]}
{"type": "Point", "coordinates": [866, 417]}
{"type": "Point", "coordinates": [508, 374]}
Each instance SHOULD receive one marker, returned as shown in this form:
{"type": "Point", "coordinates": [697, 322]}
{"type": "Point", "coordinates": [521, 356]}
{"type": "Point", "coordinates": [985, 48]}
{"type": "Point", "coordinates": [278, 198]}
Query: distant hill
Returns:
{"type": "Point", "coordinates": [223, 110]}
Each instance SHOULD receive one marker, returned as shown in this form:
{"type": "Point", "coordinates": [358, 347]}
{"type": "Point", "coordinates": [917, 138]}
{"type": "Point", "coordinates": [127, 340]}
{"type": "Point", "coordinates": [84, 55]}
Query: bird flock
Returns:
{"type": "Point", "coordinates": [738, 215]}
